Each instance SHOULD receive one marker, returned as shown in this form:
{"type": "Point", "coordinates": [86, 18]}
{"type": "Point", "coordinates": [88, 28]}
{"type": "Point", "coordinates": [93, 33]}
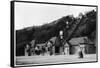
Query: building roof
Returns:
{"type": "Point", "coordinates": [76, 41]}
{"type": "Point", "coordinates": [53, 39]}
{"type": "Point", "coordinates": [42, 44]}
{"type": "Point", "coordinates": [66, 44]}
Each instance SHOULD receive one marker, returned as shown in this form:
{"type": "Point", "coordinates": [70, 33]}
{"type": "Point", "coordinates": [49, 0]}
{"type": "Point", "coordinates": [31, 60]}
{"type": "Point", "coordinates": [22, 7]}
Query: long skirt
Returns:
{"type": "Point", "coordinates": [80, 54]}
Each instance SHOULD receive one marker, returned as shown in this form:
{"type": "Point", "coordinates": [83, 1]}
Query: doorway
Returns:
{"type": "Point", "coordinates": [57, 50]}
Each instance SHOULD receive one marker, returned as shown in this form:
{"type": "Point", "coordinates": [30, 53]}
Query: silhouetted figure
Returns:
{"type": "Point", "coordinates": [80, 52]}
{"type": "Point", "coordinates": [28, 49]}
{"type": "Point", "coordinates": [51, 52]}
{"type": "Point", "coordinates": [37, 51]}
{"type": "Point", "coordinates": [43, 50]}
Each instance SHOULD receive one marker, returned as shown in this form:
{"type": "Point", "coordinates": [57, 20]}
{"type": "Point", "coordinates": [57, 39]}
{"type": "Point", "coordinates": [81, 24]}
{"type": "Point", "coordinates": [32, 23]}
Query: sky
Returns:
{"type": "Point", "coordinates": [29, 14]}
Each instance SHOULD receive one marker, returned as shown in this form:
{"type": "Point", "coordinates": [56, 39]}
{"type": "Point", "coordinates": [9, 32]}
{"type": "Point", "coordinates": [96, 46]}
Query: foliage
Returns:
{"type": "Point", "coordinates": [86, 26]}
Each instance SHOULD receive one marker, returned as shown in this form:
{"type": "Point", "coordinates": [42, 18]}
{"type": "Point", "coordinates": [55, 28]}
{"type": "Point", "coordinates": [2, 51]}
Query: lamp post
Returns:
{"type": "Point", "coordinates": [61, 40]}
{"type": "Point", "coordinates": [66, 36]}
{"type": "Point", "coordinates": [61, 34]}
{"type": "Point", "coordinates": [67, 25]}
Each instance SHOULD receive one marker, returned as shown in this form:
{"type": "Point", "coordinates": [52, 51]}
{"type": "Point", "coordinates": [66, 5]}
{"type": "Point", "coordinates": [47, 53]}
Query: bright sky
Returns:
{"type": "Point", "coordinates": [29, 14]}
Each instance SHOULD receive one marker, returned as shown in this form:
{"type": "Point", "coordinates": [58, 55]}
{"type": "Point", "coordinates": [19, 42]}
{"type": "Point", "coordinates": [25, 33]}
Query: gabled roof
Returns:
{"type": "Point", "coordinates": [66, 44]}
{"type": "Point", "coordinates": [76, 41]}
{"type": "Point", "coordinates": [53, 39]}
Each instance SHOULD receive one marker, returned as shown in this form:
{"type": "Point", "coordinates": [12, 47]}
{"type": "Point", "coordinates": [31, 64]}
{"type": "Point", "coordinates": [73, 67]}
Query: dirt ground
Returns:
{"type": "Point", "coordinates": [54, 59]}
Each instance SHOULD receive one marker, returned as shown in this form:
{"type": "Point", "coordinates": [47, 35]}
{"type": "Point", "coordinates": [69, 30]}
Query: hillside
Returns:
{"type": "Point", "coordinates": [86, 26]}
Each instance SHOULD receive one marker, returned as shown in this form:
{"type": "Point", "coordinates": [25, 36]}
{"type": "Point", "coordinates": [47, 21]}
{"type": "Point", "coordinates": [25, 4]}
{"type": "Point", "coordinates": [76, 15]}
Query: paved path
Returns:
{"type": "Point", "coordinates": [53, 59]}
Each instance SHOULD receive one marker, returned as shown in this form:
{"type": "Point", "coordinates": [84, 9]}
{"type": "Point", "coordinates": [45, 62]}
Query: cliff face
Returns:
{"type": "Point", "coordinates": [86, 26]}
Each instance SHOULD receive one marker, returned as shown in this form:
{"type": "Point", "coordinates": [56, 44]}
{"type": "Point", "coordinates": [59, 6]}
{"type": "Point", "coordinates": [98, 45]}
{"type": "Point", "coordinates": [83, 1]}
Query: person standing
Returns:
{"type": "Point", "coordinates": [80, 52]}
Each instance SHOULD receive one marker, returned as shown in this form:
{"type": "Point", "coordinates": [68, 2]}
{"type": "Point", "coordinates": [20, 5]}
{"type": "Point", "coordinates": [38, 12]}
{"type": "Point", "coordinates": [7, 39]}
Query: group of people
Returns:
{"type": "Point", "coordinates": [48, 49]}
{"type": "Point", "coordinates": [40, 49]}
{"type": "Point", "coordinates": [43, 50]}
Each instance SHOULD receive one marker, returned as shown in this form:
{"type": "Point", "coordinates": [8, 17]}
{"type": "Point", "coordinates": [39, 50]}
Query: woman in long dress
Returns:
{"type": "Point", "coordinates": [80, 52]}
